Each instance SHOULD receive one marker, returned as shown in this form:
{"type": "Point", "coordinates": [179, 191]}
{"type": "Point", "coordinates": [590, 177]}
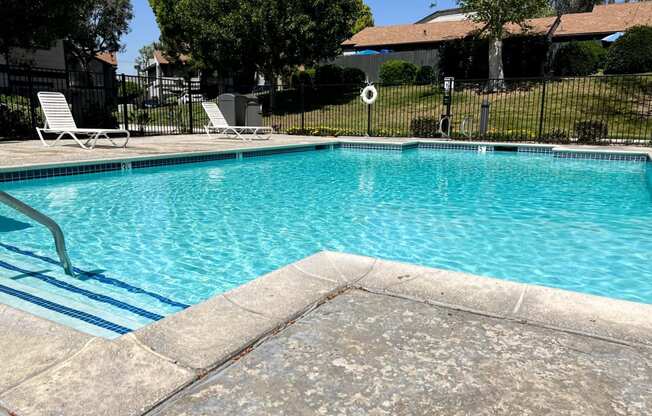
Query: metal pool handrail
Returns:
{"type": "Point", "coordinates": [48, 222]}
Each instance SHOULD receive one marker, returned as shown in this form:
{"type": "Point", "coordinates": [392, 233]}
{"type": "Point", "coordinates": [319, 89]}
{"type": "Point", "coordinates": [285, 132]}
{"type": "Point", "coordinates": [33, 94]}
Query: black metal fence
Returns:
{"type": "Point", "coordinates": [587, 110]}
{"type": "Point", "coordinates": [92, 96]}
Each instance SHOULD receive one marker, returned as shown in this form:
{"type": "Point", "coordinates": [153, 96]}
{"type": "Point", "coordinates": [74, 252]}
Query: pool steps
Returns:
{"type": "Point", "coordinates": [32, 284]}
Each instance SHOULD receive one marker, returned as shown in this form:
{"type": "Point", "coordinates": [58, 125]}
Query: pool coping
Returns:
{"type": "Point", "coordinates": [69, 168]}
{"type": "Point", "coordinates": [77, 374]}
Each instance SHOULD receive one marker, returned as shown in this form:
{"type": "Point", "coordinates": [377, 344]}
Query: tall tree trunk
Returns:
{"type": "Point", "coordinates": [496, 71]}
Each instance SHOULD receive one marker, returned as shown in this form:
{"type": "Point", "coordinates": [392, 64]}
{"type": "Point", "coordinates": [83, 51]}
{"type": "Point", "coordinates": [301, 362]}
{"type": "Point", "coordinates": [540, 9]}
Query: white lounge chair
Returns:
{"type": "Point", "coordinates": [59, 120]}
{"type": "Point", "coordinates": [219, 125]}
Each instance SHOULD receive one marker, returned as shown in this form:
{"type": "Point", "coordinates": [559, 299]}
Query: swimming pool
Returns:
{"type": "Point", "coordinates": [154, 241]}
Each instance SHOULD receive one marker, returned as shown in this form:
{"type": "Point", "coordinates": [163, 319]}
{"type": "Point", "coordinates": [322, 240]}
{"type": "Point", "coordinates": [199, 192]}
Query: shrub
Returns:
{"type": "Point", "coordinates": [590, 131]}
{"type": "Point", "coordinates": [425, 75]}
{"type": "Point", "coordinates": [94, 115]}
{"type": "Point", "coordinates": [353, 76]}
{"type": "Point", "coordinates": [425, 127]}
{"type": "Point", "coordinates": [396, 72]}
{"type": "Point", "coordinates": [632, 53]}
{"type": "Point", "coordinates": [131, 89]}
{"type": "Point", "coordinates": [321, 131]}
{"type": "Point", "coordinates": [139, 118]}
{"type": "Point", "coordinates": [301, 77]}
{"type": "Point", "coordinates": [15, 122]}
{"type": "Point", "coordinates": [328, 74]}
{"type": "Point", "coordinates": [579, 59]}
{"type": "Point", "coordinates": [556, 136]}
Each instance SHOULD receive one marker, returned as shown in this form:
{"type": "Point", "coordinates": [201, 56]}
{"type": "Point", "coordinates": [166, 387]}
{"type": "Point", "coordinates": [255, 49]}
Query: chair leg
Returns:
{"type": "Point", "coordinates": [74, 137]}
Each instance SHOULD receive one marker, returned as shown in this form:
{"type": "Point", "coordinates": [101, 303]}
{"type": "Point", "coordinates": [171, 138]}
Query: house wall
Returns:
{"type": "Point", "coordinates": [53, 58]}
{"type": "Point", "coordinates": [371, 64]}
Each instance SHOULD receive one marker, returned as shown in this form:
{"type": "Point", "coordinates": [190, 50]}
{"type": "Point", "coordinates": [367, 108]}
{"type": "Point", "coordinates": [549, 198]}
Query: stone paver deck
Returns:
{"type": "Point", "coordinates": [370, 354]}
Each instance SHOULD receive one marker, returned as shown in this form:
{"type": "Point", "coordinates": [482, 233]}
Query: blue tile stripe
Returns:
{"type": "Point", "coordinates": [372, 146]}
{"type": "Point", "coordinates": [30, 174]}
{"type": "Point", "coordinates": [270, 152]}
{"type": "Point", "coordinates": [99, 277]}
{"type": "Point", "coordinates": [82, 316]}
{"type": "Point", "coordinates": [139, 164]}
{"type": "Point", "coordinates": [91, 295]}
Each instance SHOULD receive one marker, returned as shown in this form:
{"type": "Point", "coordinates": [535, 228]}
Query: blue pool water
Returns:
{"type": "Point", "coordinates": [157, 240]}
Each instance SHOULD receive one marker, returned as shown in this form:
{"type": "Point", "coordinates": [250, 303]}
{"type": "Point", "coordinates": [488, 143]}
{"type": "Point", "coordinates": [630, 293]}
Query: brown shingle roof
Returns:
{"type": "Point", "coordinates": [164, 59]}
{"type": "Point", "coordinates": [108, 57]}
{"type": "Point", "coordinates": [604, 19]}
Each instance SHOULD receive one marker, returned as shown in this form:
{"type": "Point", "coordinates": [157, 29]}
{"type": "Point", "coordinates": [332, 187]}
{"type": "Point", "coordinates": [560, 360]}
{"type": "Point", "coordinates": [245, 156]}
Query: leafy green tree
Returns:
{"type": "Point", "coordinates": [365, 17]}
{"type": "Point", "coordinates": [145, 56]}
{"type": "Point", "coordinates": [632, 53]}
{"type": "Point", "coordinates": [34, 23]}
{"type": "Point", "coordinates": [98, 28]}
{"type": "Point", "coordinates": [494, 16]}
{"type": "Point", "coordinates": [241, 37]}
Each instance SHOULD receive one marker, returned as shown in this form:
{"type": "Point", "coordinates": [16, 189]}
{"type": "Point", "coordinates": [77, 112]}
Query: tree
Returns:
{"type": "Point", "coordinates": [99, 27]}
{"type": "Point", "coordinates": [34, 24]}
{"type": "Point", "coordinates": [494, 15]}
{"type": "Point", "coordinates": [145, 56]}
{"type": "Point", "coordinates": [270, 37]}
{"type": "Point", "coordinates": [632, 53]}
{"type": "Point", "coordinates": [365, 17]}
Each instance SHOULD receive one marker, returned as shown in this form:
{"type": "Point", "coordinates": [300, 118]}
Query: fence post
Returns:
{"type": "Point", "coordinates": [32, 105]}
{"type": "Point", "coordinates": [190, 118]}
{"type": "Point", "coordinates": [303, 107]}
{"type": "Point", "coordinates": [125, 108]}
{"type": "Point", "coordinates": [543, 107]}
{"type": "Point", "coordinates": [369, 120]}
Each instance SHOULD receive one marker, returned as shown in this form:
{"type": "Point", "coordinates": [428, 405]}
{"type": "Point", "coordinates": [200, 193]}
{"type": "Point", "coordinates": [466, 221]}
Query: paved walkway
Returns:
{"type": "Point", "coordinates": [370, 354]}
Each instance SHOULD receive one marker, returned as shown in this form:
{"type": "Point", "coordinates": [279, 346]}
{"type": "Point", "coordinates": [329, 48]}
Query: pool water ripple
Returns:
{"type": "Point", "coordinates": [189, 232]}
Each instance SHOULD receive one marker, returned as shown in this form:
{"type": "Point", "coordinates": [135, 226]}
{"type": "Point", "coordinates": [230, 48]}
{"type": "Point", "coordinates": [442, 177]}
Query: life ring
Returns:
{"type": "Point", "coordinates": [369, 94]}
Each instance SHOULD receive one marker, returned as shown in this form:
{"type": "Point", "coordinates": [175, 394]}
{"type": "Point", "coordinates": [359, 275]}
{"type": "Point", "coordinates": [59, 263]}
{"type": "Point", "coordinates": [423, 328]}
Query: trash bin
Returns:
{"type": "Point", "coordinates": [254, 112]}
{"type": "Point", "coordinates": [226, 102]}
{"type": "Point", "coordinates": [241, 110]}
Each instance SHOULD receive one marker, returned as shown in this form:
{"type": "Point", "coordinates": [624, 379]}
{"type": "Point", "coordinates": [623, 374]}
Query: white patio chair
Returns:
{"type": "Point", "coordinates": [59, 120]}
{"type": "Point", "coordinates": [219, 124]}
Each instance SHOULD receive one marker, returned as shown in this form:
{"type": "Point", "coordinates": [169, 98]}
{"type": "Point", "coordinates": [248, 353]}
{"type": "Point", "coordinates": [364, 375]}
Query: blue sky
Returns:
{"type": "Point", "coordinates": [386, 12]}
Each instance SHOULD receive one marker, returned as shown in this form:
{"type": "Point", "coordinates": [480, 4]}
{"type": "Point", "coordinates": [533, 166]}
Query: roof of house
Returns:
{"type": "Point", "coordinates": [604, 19]}
{"type": "Point", "coordinates": [108, 57]}
{"type": "Point", "coordinates": [164, 59]}
{"type": "Point", "coordinates": [439, 13]}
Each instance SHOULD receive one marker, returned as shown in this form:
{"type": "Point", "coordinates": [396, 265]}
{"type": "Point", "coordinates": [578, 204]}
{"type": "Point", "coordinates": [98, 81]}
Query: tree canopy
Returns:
{"type": "Point", "coordinates": [88, 26]}
{"type": "Point", "coordinates": [99, 26]}
{"type": "Point", "coordinates": [145, 56]}
{"type": "Point", "coordinates": [494, 15]}
{"type": "Point", "coordinates": [365, 17]}
{"type": "Point", "coordinates": [246, 36]}
{"type": "Point", "coordinates": [34, 24]}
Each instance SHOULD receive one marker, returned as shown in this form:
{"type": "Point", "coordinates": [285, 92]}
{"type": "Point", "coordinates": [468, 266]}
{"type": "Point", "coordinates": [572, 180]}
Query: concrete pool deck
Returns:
{"type": "Point", "coordinates": [334, 333]}
{"type": "Point", "coordinates": [344, 334]}
{"type": "Point", "coordinates": [16, 155]}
